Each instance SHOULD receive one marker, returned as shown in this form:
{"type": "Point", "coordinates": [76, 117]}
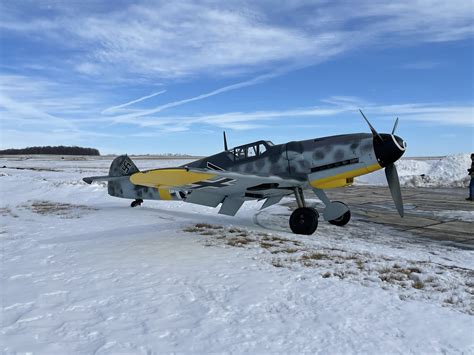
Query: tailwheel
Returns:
{"type": "Point", "coordinates": [136, 203]}
{"type": "Point", "coordinates": [344, 219]}
{"type": "Point", "coordinates": [304, 220]}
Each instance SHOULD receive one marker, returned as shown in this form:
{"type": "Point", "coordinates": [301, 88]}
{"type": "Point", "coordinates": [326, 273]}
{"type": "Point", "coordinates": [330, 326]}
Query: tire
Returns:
{"type": "Point", "coordinates": [343, 220]}
{"type": "Point", "coordinates": [304, 221]}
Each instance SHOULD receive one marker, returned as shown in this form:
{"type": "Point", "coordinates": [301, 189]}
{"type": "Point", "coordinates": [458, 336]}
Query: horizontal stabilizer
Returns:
{"type": "Point", "coordinates": [90, 179]}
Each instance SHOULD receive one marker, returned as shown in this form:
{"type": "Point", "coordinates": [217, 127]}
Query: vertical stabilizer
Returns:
{"type": "Point", "coordinates": [123, 166]}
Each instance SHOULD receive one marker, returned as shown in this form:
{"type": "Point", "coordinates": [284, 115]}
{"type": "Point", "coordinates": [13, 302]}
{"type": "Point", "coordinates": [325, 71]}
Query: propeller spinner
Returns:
{"type": "Point", "coordinates": [388, 149]}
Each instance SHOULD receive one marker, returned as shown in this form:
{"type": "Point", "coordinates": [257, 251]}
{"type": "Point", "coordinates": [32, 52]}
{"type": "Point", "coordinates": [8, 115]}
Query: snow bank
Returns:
{"type": "Point", "coordinates": [449, 171]}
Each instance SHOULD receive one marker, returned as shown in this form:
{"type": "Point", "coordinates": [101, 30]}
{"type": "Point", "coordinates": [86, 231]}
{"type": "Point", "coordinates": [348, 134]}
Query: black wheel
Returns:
{"type": "Point", "coordinates": [304, 220]}
{"type": "Point", "coordinates": [343, 220]}
{"type": "Point", "coordinates": [136, 203]}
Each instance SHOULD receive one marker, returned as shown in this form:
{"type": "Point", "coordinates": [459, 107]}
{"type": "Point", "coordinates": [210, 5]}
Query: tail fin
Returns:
{"type": "Point", "coordinates": [119, 184]}
{"type": "Point", "coordinates": [123, 166]}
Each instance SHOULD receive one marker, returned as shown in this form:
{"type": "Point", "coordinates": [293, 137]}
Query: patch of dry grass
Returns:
{"type": "Point", "coordinates": [396, 274]}
{"type": "Point", "coordinates": [238, 237]}
{"type": "Point", "coordinates": [203, 229]}
{"type": "Point", "coordinates": [450, 300]}
{"type": "Point", "coordinates": [277, 263]}
{"type": "Point", "coordinates": [7, 212]}
{"type": "Point", "coordinates": [391, 277]}
{"type": "Point", "coordinates": [207, 226]}
{"type": "Point", "coordinates": [238, 241]}
{"type": "Point", "coordinates": [315, 256]}
{"type": "Point", "coordinates": [418, 285]}
{"type": "Point", "coordinates": [288, 250]}
{"type": "Point", "coordinates": [63, 210]}
{"type": "Point", "coordinates": [266, 245]}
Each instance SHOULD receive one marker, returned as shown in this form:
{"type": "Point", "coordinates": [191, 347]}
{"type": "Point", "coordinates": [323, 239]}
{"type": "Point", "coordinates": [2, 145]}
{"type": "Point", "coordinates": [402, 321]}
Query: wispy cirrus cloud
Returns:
{"type": "Point", "coordinates": [181, 39]}
{"type": "Point", "coordinates": [436, 113]}
{"type": "Point", "coordinates": [38, 107]}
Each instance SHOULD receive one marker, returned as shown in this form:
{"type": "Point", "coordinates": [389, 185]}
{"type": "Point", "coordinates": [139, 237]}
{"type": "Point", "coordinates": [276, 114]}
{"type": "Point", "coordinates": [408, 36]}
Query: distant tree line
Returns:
{"type": "Point", "coordinates": [58, 150]}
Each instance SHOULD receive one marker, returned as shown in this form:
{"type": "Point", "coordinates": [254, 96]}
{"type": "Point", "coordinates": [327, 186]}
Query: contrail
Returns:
{"type": "Point", "coordinates": [256, 80]}
{"type": "Point", "coordinates": [114, 108]}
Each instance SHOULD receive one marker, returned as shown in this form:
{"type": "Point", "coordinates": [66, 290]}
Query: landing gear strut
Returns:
{"type": "Point", "coordinates": [136, 203]}
{"type": "Point", "coordinates": [303, 220]}
{"type": "Point", "coordinates": [335, 212]}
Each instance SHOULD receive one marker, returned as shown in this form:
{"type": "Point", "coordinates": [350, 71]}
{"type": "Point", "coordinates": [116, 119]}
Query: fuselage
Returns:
{"type": "Point", "coordinates": [326, 162]}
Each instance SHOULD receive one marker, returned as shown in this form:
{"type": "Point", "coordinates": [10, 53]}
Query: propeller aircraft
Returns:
{"type": "Point", "coordinates": [265, 171]}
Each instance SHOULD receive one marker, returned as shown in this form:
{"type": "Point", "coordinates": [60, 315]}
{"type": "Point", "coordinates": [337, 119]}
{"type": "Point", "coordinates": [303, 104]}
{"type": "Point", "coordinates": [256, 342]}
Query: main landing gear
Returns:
{"type": "Point", "coordinates": [136, 203]}
{"type": "Point", "coordinates": [304, 220]}
{"type": "Point", "coordinates": [344, 219]}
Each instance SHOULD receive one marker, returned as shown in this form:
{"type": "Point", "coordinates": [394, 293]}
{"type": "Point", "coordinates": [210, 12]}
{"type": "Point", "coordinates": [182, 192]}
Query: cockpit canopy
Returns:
{"type": "Point", "coordinates": [250, 150]}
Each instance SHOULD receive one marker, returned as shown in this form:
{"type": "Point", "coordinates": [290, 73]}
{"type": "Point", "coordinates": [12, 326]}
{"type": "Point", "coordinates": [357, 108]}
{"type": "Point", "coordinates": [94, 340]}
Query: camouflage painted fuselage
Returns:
{"type": "Point", "coordinates": [319, 163]}
{"type": "Point", "coordinates": [308, 160]}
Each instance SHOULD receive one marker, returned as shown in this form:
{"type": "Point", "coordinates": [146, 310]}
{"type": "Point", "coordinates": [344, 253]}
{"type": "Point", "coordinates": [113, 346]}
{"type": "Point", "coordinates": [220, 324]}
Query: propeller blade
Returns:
{"type": "Point", "coordinates": [395, 126]}
{"type": "Point", "coordinates": [394, 185]}
{"type": "Point", "coordinates": [225, 142]}
{"type": "Point", "coordinates": [374, 132]}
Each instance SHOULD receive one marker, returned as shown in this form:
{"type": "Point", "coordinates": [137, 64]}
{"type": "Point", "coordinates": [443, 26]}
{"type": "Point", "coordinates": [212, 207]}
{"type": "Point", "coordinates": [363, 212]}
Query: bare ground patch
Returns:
{"type": "Point", "coordinates": [32, 168]}
{"type": "Point", "coordinates": [62, 210]}
{"type": "Point", "coordinates": [448, 286]}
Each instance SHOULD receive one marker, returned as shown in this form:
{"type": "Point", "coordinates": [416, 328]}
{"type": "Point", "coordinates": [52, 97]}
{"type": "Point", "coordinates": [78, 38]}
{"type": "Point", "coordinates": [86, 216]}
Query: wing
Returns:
{"type": "Point", "coordinates": [211, 187]}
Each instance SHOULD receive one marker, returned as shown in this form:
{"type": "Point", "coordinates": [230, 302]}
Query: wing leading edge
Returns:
{"type": "Point", "coordinates": [211, 187]}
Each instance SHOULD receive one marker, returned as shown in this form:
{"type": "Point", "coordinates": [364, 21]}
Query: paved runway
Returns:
{"type": "Point", "coordinates": [428, 211]}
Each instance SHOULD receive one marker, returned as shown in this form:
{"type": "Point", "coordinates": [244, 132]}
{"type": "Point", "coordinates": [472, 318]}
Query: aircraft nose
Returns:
{"type": "Point", "coordinates": [401, 144]}
{"type": "Point", "coordinates": [389, 149]}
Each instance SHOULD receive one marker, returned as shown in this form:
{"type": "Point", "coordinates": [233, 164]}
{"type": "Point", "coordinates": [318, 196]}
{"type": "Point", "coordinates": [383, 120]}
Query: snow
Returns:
{"type": "Point", "coordinates": [467, 216]}
{"type": "Point", "coordinates": [84, 273]}
{"type": "Point", "coordinates": [449, 171]}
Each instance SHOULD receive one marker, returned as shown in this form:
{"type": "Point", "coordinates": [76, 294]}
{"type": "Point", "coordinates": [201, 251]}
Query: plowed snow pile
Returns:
{"type": "Point", "coordinates": [449, 171]}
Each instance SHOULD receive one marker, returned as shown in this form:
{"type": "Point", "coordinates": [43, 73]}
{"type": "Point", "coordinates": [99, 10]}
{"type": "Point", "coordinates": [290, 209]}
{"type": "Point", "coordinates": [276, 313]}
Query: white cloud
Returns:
{"type": "Point", "coordinates": [37, 107]}
{"type": "Point", "coordinates": [177, 39]}
{"type": "Point", "coordinates": [441, 114]}
{"type": "Point", "coordinates": [436, 113]}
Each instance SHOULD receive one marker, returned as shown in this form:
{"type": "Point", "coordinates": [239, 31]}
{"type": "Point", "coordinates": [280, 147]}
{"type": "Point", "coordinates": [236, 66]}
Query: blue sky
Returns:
{"type": "Point", "coordinates": [158, 77]}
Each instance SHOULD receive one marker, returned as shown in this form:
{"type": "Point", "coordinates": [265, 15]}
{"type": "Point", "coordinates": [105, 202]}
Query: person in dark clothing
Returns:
{"type": "Point", "coordinates": [471, 185]}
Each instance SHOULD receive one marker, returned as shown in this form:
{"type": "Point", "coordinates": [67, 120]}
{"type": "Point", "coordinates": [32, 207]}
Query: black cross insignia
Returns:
{"type": "Point", "coordinates": [213, 183]}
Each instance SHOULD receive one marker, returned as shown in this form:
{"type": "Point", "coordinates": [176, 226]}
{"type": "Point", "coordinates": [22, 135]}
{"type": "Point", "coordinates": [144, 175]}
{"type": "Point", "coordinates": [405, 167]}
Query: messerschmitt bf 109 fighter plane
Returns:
{"type": "Point", "coordinates": [265, 171]}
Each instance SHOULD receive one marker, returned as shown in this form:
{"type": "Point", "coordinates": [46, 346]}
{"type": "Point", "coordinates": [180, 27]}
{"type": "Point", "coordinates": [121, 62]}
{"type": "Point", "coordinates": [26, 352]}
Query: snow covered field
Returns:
{"type": "Point", "coordinates": [449, 171]}
{"type": "Point", "coordinates": [82, 272]}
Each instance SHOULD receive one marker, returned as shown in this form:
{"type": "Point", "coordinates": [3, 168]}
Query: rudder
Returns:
{"type": "Point", "coordinates": [123, 166]}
